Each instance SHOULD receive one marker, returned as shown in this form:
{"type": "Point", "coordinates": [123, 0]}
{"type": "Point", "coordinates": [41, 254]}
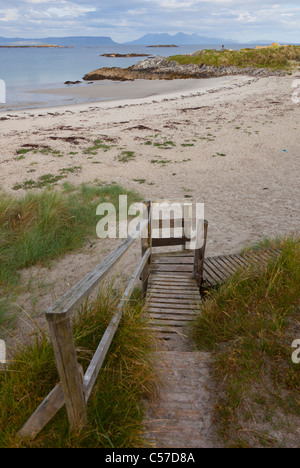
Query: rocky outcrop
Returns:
{"type": "Point", "coordinates": [160, 68]}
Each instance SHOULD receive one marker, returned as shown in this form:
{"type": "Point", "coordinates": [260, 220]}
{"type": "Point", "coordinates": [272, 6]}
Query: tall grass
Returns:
{"type": "Point", "coordinates": [45, 225]}
{"type": "Point", "coordinates": [271, 57]}
{"type": "Point", "coordinates": [249, 324]}
{"type": "Point", "coordinates": [115, 409]}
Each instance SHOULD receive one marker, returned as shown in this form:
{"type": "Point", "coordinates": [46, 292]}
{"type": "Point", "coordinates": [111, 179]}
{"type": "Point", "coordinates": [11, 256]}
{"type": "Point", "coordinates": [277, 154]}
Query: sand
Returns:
{"type": "Point", "coordinates": [234, 146]}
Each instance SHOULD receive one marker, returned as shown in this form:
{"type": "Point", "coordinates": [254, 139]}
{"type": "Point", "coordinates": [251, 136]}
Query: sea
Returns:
{"type": "Point", "coordinates": [26, 70]}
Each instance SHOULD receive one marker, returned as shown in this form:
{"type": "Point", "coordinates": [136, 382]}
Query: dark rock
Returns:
{"type": "Point", "coordinates": [72, 82]}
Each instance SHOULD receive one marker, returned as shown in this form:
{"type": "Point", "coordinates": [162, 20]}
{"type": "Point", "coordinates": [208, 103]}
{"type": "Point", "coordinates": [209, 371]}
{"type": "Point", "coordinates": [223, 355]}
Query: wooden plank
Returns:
{"type": "Point", "coordinates": [167, 331]}
{"type": "Point", "coordinates": [174, 290]}
{"type": "Point", "coordinates": [164, 242]}
{"type": "Point", "coordinates": [215, 269]}
{"type": "Point", "coordinates": [172, 274]}
{"type": "Point", "coordinates": [145, 245]}
{"type": "Point", "coordinates": [209, 272]}
{"type": "Point", "coordinates": [237, 263]}
{"type": "Point", "coordinates": [68, 369]}
{"type": "Point", "coordinates": [167, 223]}
{"type": "Point", "coordinates": [170, 323]}
{"type": "Point", "coordinates": [176, 253]}
{"type": "Point", "coordinates": [169, 309]}
{"type": "Point", "coordinates": [176, 278]}
{"type": "Point", "coordinates": [172, 286]}
{"type": "Point", "coordinates": [76, 296]}
{"type": "Point", "coordinates": [220, 272]}
{"type": "Point", "coordinates": [43, 414]}
{"type": "Point", "coordinates": [173, 317]}
{"type": "Point", "coordinates": [198, 264]}
{"type": "Point", "coordinates": [173, 283]}
{"type": "Point", "coordinates": [170, 300]}
{"type": "Point", "coordinates": [172, 268]}
{"type": "Point", "coordinates": [172, 260]}
{"type": "Point", "coordinates": [153, 305]}
{"type": "Point", "coordinates": [237, 260]}
{"type": "Point", "coordinates": [226, 266]}
{"type": "Point", "coordinates": [174, 297]}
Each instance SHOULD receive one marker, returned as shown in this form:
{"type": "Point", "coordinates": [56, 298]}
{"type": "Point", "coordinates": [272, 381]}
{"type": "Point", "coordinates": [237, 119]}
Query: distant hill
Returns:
{"type": "Point", "coordinates": [180, 39]}
{"type": "Point", "coordinates": [64, 41]}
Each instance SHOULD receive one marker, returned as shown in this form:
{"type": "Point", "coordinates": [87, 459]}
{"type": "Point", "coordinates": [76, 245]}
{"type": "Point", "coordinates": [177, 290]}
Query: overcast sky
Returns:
{"type": "Point", "coordinates": [125, 20]}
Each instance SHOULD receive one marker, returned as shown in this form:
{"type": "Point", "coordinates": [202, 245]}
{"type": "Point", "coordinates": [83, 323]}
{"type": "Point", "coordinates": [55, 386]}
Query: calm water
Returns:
{"type": "Point", "coordinates": [25, 70]}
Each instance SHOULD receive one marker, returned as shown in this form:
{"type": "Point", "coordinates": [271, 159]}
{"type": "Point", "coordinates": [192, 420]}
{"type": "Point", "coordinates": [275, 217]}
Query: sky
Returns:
{"type": "Point", "coordinates": [126, 20]}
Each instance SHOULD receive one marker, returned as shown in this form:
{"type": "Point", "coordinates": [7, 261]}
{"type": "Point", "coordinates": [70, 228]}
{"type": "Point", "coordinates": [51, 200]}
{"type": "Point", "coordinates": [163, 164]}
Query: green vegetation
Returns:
{"type": "Point", "coordinates": [282, 58]}
{"type": "Point", "coordinates": [40, 227]}
{"type": "Point", "coordinates": [249, 325]}
{"type": "Point", "coordinates": [126, 156]}
{"type": "Point", "coordinates": [115, 409]}
{"type": "Point", "coordinates": [162, 162]}
{"type": "Point", "coordinates": [98, 145]}
{"type": "Point", "coordinates": [35, 150]}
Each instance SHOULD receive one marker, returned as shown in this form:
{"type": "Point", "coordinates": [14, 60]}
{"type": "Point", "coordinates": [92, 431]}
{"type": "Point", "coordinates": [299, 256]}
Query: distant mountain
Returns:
{"type": "Point", "coordinates": [179, 39]}
{"type": "Point", "coordinates": [64, 41]}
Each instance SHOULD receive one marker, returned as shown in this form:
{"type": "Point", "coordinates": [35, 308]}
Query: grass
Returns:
{"type": "Point", "coordinates": [126, 156]}
{"type": "Point", "coordinates": [115, 409]}
{"type": "Point", "coordinates": [98, 145]}
{"type": "Point", "coordinates": [249, 325]}
{"type": "Point", "coordinates": [282, 58]}
{"type": "Point", "coordinates": [40, 227]}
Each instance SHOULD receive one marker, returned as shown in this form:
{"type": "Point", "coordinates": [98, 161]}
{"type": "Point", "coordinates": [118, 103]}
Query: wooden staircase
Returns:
{"type": "Point", "coordinates": [173, 282]}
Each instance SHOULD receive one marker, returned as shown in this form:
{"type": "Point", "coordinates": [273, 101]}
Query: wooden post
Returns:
{"type": "Point", "coordinates": [199, 254]}
{"type": "Point", "coordinates": [145, 244]}
{"type": "Point", "coordinates": [69, 370]}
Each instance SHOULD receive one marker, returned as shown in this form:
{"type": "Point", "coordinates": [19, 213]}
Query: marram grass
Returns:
{"type": "Point", "coordinates": [115, 409]}
{"type": "Point", "coordinates": [249, 325]}
{"type": "Point", "coordinates": [42, 226]}
{"type": "Point", "coordinates": [275, 58]}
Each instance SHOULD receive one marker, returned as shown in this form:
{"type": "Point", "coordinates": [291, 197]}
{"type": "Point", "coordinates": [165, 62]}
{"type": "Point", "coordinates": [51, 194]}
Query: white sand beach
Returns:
{"type": "Point", "coordinates": [231, 143]}
{"type": "Point", "coordinates": [235, 147]}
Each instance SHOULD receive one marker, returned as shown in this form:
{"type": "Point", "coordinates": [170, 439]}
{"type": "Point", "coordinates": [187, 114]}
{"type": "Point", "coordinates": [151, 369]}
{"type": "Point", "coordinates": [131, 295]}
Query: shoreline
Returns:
{"type": "Point", "coordinates": [107, 93]}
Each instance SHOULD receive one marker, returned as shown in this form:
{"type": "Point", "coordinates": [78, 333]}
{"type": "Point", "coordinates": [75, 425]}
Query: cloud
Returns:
{"type": "Point", "coordinates": [127, 20]}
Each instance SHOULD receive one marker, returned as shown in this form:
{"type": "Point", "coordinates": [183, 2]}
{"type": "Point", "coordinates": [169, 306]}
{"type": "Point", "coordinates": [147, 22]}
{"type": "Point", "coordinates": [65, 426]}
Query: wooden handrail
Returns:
{"type": "Point", "coordinates": [76, 296]}
{"type": "Point", "coordinates": [69, 370]}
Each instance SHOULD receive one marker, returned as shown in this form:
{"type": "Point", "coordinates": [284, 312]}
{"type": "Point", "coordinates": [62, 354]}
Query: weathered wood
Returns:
{"type": "Point", "coordinates": [171, 284]}
{"type": "Point", "coordinates": [182, 278]}
{"type": "Point", "coordinates": [219, 272]}
{"type": "Point", "coordinates": [199, 253]}
{"type": "Point", "coordinates": [76, 296]}
{"type": "Point", "coordinates": [43, 414]}
{"type": "Point", "coordinates": [171, 317]}
{"type": "Point", "coordinates": [158, 305]}
{"type": "Point", "coordinates": [145, 245]}
{"type": "Point", "coordinates": [164, 242]}
{"type": "Point", "coordinates": [172, 268]}
{"type": "Point", "coordinates": [174, 294]}
{"type": "Point", "coordinates": [56, 399]}
{"type": "Point", "coordinates": [171, 300]}
{"type": "Point", "coordinates": [100, 354]}
{"type": "Point", "coordinates": [68, 369]}
{"type": "Point", "coordinates": [170, 323]}
{"type": "Point", "coordinates": [178, 254]}
{"type": "Point", "coordinates": [173, 260]}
